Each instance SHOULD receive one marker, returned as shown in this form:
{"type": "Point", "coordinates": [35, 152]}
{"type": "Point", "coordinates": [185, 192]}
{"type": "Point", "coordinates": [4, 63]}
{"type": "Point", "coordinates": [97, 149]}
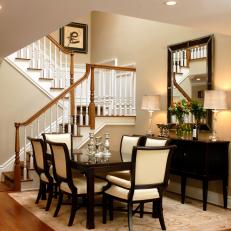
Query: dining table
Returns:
{"type": "Point", "coordinates": [92, 167]}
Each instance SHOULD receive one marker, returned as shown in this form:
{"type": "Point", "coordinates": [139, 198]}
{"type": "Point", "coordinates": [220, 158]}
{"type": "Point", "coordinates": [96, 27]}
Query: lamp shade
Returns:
{"type": "Point", "coordinates": [215, 99]}
{"type": "Point", "coordinates": [150, 102]}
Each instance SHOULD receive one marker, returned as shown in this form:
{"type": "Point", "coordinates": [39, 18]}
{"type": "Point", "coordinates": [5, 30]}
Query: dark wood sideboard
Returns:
{"type": "Point", "coordinates": [201, 160]}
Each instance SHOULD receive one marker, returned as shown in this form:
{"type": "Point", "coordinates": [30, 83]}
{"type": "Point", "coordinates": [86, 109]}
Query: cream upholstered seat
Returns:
{"type": "Point", "coordinates": [149, 178]}
{"type": "Point", "coordinates": [75, 187]}
{"type": "Point", "coordinates": [43, 169]}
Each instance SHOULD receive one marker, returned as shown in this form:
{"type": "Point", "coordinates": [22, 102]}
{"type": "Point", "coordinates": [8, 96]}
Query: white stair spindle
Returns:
{"type": "Point", "coordinates": [24, 161]}
{"type": "Point", "coordinates": [63, 117]}
{"type": "Point", "coordinates": [110, 93]}
{"type": "Point", "coordinates": [61, 70]}
{"type": "Point", "coordinates": [87, 113]}
{"type": "Point", "coordinates": [115, 93]}
{"type": "Point", "coordinates": [56, 118]}
{"type": "Point", "coordinates": [134, 93]}
{"type": "Point", "coordinates": [104, 93]}
{"type": "Point", "coordinates": [125, 93]}
{"type": "Point", "coordinates": [55, 67]}
{"type": "Point", "coordinates": [31, 150]}
{"type": "Point", "coordinates": [44, 122]}
{"type": "Point", "coordinates": [120, 98]}
{"type": "Point", "coordinates": [50, 59]}
{"type": "Point", "coordinates": [44, 58]}
{"type": "Point", "coordinates": [81, 106]}
{"type": "Point", "coordinates": [38, 54]}
{"type": "Point", "coordinates": [99, 91]}
{"type": "Point", "coordinates": [130, 93]}
{"type": "Point", "coordinates": [66, 72]}
{"type": "Point", "coordinates": [50, 120]}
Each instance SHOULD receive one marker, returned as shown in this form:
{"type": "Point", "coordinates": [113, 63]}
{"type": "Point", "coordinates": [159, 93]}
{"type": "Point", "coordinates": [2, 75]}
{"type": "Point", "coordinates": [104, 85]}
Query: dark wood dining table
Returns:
{"type": "Point", "coordinates": [91, 170]}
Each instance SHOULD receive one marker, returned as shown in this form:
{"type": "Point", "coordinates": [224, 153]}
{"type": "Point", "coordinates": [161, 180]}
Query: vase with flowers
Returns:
{"type": "Point", "coordinates": [197, 110]}
{"type": "Point", "coordinates": [180, 109]}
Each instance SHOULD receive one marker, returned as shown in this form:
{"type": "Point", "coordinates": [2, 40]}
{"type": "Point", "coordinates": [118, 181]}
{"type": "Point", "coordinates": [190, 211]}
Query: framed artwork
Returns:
{"type": "Point", "coordinates": [74, 37]}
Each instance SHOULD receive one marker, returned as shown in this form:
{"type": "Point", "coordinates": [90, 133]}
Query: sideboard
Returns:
{"type": "Point", "coordinates": [201, 160]}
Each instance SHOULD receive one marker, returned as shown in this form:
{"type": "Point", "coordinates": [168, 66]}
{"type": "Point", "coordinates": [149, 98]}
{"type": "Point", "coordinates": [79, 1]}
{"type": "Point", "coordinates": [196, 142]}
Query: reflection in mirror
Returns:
{"type": "Point", "coordinates": [190, 73]}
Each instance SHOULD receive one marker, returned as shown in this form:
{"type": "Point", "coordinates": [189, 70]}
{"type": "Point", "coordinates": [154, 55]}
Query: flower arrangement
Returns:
{"type": "Point", "coordinates": [197, 110]}
{"type": "Point", "coordinates": [179, 109]}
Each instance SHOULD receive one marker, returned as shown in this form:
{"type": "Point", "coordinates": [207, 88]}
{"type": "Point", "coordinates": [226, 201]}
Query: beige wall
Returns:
{"type": "Point", "coordinates": [19, 100]}
{"type": "Point", "coordinates": [145, 43]}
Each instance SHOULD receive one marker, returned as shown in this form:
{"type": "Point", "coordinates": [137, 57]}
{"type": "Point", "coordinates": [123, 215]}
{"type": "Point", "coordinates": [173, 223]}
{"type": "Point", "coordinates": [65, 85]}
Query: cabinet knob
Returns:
{"type": "Point", "coordinates": [185, 154]}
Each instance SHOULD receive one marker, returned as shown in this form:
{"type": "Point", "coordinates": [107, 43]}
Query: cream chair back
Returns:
{"type": "Point", "coordinates": [153, 142]}
{"type": "Point", "coordinates": [38, 153]}
{"type": "Point", "coordinates": [150, 164]}
{"type": "Point", "coordinates": [126, 146]}
{"type": "Point", "coordinates": [59, 138]}
{"type": "Point", "coordinates": [61, 159]}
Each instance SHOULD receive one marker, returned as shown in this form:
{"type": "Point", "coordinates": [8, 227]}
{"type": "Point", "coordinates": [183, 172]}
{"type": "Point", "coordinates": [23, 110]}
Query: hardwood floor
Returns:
{"type": "Point", "coordinates": [13, 217]}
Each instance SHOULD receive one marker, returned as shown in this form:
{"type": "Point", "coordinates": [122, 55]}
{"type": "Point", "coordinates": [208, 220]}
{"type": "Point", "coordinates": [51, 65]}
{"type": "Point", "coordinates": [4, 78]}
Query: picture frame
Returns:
{"type": "Point", "coordinates": [74, 37]}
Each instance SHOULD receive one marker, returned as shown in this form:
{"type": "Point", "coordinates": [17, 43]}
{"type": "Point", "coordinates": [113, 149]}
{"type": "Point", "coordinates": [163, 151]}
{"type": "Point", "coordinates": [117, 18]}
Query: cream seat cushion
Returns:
{"type": "Point", "coordinates": [44, 178]}
{"type": "Point", "coordinates": [122, 192]}
{"type": "Point", "coordinates": [125, 174]}
{"type": "Point", "coordinates": [81, 185]}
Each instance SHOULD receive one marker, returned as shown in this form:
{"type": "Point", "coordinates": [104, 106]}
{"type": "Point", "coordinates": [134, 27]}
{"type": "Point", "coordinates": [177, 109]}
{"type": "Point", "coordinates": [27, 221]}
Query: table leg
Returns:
{"type": "Point", "coordinates": [183, 187]}
{"type": "Point", "coordinates": [205, 193]}
{"type": "Point", "coordinates": [90, 199]}
{"type": "Point", "coordinates": [225, 193]}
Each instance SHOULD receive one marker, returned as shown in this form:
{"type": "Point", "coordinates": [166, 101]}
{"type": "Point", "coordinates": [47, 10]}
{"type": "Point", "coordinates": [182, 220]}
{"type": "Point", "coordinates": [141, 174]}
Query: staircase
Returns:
{"type": "Point", "coordinates": [82, 100]}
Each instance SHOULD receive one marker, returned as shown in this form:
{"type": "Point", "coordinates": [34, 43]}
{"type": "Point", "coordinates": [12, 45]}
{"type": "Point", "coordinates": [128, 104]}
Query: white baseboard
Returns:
{"type": "Point", "coordinates": [196, 193]}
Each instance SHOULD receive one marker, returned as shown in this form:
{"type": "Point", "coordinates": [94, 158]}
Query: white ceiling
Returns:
{"type": "Point", "coordinates": [23, 21]}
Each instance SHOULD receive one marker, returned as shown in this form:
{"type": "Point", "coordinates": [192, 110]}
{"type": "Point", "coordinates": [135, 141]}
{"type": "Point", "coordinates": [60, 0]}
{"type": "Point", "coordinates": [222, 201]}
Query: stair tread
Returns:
{"type": "Point", "coordinates": [34, 69]}
{"type": "Point", "coordinates": [44, 78]}
{"type": "Point", "coordinates": [24, 59]}
{"type": "Point", "coordinates": [10, 176]}
{"type": "Point", "coordinates": [57, 88]}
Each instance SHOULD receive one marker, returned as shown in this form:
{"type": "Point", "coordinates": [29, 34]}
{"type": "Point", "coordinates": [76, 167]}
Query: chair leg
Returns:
{"type": "Point", "coordinates": [130, 227]}
{"type": "Point", "coordinates": [111, 208]}
{"type": "Point", "coordinates": [104, 202]}
{"type": "Point", "coordinates": [154, 209]}
{"type": "Point", "coordinates": [60, 200]}
{"type": "Point", "coordinates": [160, 214]}
{"type": "Point", "coordinates": [141, 209]}
{"type": "Point", "coordinates": [39, 192]}
{"type": "Point", "coordinates": [73, 210]}
{"type": "Point", "coordinates": [44, 190]}
{"type": "Point", "coordinates": [50, 196]}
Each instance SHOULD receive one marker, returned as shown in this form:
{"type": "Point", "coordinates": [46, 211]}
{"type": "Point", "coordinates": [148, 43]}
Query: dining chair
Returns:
{"type": "Point", "coordinates": [47, 182]}
{"type": "Point", "coordinates": [73, 187]}
{"type": "Point", "coordinates": [149, 179]}
{"type": "Point", "coordinates": [156, 141]}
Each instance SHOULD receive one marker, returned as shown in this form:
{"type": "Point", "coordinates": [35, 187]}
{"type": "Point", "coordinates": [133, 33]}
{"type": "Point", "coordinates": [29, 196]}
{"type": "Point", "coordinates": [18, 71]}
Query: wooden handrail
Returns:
{"type": "Point", "coordinates": [117, 68]}
{"type": "Point", "coordinates": [58, 45]}
{"type": "Point", "coordinates": [37, 114]}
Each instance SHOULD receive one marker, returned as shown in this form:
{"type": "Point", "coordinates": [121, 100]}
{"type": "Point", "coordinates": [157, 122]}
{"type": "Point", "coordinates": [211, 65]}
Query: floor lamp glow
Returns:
{"type": "Point", "coordinates": [215, 100]}
{"type": "Point", "coordinates": [150, 103]}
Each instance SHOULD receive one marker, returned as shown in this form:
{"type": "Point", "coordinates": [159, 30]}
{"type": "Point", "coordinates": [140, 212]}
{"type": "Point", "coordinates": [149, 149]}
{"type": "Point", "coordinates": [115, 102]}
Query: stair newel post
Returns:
{"type": "Point", "coordinates": [87, 112]}
{"type": "Point", "coordinates": [92, 102]}
{"type": "Point", "coordinates": [17, 170]}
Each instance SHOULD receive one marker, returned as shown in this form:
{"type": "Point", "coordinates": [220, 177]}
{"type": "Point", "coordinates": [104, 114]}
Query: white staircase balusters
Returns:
{"type": "Point", "coordinates": [56, 118]}
{"type": "Point", "coordinates": [120, 94]}
{"type": "Point", "coordinates": [104, 100]}
{"type": "Point", "coordinates": [31, 149]}
{"type": "Point", "coordinates": [50, 120]}
{"type": "Point", "coordinates": [81, 106]}
{"type": "Point", "coordinates": [50, 62]}
{"type": "Point", "coordinates": [134, 92]}
{"type": "Point", "coordinates": [87, 101]}
{"type": "Point", "coordinates": [115, 94]}
{"type": "Point", "coordinates": [130, 85]}
{"type": "Point", "coordinates": [25, 159]}
{"type": "Point", "coordinates": [98, 80]}
{"type": "Point", "coordinates": [109, 92]}
{"type": "Point", "coordinates": [125, 93]}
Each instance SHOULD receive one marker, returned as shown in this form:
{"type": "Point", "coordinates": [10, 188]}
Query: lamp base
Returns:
{"type": "Point", "coordinates": [213, 137]}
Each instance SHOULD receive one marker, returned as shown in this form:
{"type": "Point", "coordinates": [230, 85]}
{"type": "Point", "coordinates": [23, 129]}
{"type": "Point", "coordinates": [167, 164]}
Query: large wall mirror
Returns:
{"type": "Point", "coordinates": [190, 73]}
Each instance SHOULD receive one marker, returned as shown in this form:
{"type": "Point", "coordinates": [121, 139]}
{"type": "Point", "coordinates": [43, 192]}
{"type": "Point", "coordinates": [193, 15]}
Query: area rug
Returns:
{"type": "Point", "coordinates": [178, 217]}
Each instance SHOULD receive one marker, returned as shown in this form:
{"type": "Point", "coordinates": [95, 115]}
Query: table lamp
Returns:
{"type": "Point", "coordinates": [150, 103]}
{"type": "Point", "coordinates": [215, 100]}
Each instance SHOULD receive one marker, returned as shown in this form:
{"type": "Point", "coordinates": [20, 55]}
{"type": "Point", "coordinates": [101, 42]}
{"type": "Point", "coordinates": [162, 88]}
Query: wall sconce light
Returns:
{"type": "Point", "coordinates": [150, 103]}
{"type": "Point", "coordinates": [215, 100]}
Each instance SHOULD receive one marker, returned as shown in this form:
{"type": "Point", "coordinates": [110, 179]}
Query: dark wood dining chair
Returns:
{"type": "Point", "coordinates": [72, 186]}
{"type": "Point", "coordinates": [149, 179]}
{"type": "Point", "coordinates": [47, 182]}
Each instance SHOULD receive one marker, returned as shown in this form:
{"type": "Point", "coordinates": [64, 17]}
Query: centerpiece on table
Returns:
{"type": "Point", "coordinates": [180, 109]}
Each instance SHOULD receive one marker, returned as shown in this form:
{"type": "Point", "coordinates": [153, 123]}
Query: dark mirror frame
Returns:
{"type": "Point", "coordinates": [209, 40]}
